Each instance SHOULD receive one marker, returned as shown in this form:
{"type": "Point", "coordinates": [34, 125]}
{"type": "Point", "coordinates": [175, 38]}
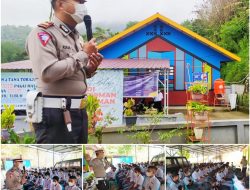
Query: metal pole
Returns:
{"type": "Point", "coordinates": [37, 158]}
{"type": "Point", "coordinates": [135, 154]}
{"type": "Point", "coordinates": [148, 153]}
{"type": "Point", "coordinates": [167, 91]}
{"type": "Point", "coordinates": [165, 86]}
{"type": "Point", "coordinates": [53, 156]}
{"type": "Point", "coordinates": [203, 153]}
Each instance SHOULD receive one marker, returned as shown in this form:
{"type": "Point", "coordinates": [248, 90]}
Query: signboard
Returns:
{"type": "Point", "coordinates": [200, 77]}
{"type": "Point", "coordinates": [14, 88]}
{"type": "Point", "coordinates": [107, 86]}
{"type": "Point", "coordinates": [141, 86]}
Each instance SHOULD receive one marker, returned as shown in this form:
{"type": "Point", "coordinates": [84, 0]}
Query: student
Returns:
{"type": "Point", "coordinates": [72, 183]}
{"type": "Point", "coordinates": [151, 182]}
{"type": "Point", "coordinates": [55, 184]}
{"type": "Point", "coordinates": [174, 185]}
{"type": "Point", "coordinates": [138, 179]}
{"type": "Point", "coordinates": [79, 179]}
{"type": "Point", "coordinates": [47, 181]}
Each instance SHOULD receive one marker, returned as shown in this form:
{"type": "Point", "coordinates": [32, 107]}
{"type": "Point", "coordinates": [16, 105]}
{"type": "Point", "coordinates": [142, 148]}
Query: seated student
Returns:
{"type": "Point", "coordinates": [151, 182]}
{"type": "Point", "coordinates": [187, 181]}
{"type": "Point", "coordinates": [169, 178]}
{"type": "Point", "coordinates": [139, 179]}
{"type": "Point", "coordinates": [47, 182]}
{"type": "Point", "coordinates": [72, 184]}
{"type": "Point", "coordinates": [180, 173]}
{"type": "Point", "coordinates": [111, 174]}
{"type": "Point", "coordinates": [55, 184]}
{"type": "Point", "coordinates": [197, 179]}
{"type": "Point", "coordinates": [159, 173]}
{"type": "Point", "coordinates": [79, 180]}
{"type": "Point", "coordinates": [175, 184]}
{"type": "Point", "coordinates": [238, 181]}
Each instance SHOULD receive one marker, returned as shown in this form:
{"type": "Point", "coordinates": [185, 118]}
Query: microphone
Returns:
{"type": "Point", "coordinates": [88, 23]}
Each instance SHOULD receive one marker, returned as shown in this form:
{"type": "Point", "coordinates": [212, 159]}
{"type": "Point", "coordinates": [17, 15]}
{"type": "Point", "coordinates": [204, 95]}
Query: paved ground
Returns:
{"type": "Point", "coordinates": [218, 114]}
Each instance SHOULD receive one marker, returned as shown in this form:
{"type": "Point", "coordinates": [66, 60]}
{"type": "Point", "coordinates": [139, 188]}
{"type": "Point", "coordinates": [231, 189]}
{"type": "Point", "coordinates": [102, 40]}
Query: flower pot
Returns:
{"type": "Point", "coordinates": [130, 120]}
{"type": "Point", "coordinates": [5, 134]}
{"type": "Point", "coordinates": [195, 96]}
{"type": "Point", "coordinates": [201, 116]}
{"type": "Point", "coordinates": [198, 132]}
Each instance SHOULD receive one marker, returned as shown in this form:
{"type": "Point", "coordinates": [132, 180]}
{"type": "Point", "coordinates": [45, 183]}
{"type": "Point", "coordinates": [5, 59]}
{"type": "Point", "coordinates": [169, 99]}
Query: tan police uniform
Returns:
{"type": "Point", "coordinates": [14, 178]}
{"type": "Point", "coordinates": [99, 167]}
{"type": "Point", "coordinates": [58, 65]}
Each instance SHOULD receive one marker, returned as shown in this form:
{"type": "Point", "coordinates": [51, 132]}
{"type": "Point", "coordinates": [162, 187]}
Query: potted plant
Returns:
{"type": "Point", "coordinates": [129, 114]}
{"type": "Point", "coordinates": [191, 106]}
{"type": "Point", "coordinates": [7, 121]}
{"type": "Point", "coordinates": [198, 132]}
{"type": "Point", "coordinates": [91, 103]}
{"type": "Point", "coordinates": [197, 91]}
{"type": "Point", "coordinates": [201, 112]}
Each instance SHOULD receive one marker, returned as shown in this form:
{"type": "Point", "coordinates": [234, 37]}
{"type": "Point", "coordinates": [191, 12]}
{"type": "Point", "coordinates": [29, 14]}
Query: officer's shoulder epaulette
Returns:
{"type": "Point", "coordinates": [46, 24]}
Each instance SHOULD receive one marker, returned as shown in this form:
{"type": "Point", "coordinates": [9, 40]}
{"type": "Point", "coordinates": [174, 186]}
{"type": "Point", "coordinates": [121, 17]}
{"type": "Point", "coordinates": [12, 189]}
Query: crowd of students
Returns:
{"type": "Point", "coordinates": [207, 176]}
{"type": "Point", "coordinates": [53, 179]}
{"type": "Point", "coordinates": [136, 176]}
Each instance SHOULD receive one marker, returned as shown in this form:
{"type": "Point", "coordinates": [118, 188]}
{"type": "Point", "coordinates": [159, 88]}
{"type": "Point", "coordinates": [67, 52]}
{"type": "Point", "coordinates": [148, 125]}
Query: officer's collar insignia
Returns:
{"type": "Point", "coordinates": [64, 28]}
{"type": "Point", "coordinates": [44, 37]}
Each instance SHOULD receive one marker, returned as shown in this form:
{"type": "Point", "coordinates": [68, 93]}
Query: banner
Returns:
{"type": "Point", "coordinates": [14, 88]}
{"type": "Point", "coordinates": [141, 86]}
{"type": "Point", "coordinates": [107, 86]}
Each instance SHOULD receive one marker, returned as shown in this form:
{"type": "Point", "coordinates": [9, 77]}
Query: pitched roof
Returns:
{"type": "Point", "coordinates": [106, 64]}
{"type": "Point", "coordinates": [177, 26]}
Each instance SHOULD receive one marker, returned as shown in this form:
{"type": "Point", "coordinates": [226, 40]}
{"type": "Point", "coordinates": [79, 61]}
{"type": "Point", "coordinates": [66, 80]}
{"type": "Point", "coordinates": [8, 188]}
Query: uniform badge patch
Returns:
{"type": "Point", "coordinates": [44, 37]}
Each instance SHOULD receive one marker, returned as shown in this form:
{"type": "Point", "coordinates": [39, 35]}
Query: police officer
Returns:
{"type": "Point", "coordinates": [61, 63]}
{"type": "Point", "coordinates": [100, 165]}
{"type": "Point", "coordinates": [15, 177]}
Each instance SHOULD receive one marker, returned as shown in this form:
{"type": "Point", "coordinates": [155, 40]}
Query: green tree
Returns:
{"type": "Point", "coordinates": [130, 24]}
{"type": "Point", "coordinates": [12, 52]}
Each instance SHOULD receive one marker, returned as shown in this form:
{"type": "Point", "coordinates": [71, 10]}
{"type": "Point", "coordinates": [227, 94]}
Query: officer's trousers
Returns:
{"type": "Point", "coordinates": [102, 185]}
{"type": "Point", "coordinates": [52, 130]}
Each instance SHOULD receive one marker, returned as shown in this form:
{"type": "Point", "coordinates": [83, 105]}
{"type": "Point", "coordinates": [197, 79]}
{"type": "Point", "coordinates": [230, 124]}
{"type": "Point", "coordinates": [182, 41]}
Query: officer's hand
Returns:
{"type": "Point", "coordinates": [90, 47]}
{"type": "Point", "coordinates": [94, 61]}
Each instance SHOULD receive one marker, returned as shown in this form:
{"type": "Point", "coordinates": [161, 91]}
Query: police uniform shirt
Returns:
{"type": "Point", "coordinates": [57, 59]}
{"type": "Point", "coordinates": [99, 167]}
{"type": "Point", "coordinates": [14, 179]}
{"type": "Point", "coordinates": [152, 183]}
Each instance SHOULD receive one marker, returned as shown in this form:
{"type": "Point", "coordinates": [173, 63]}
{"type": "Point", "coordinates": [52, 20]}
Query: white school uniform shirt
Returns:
{"type": "Point", "coordinates": [152, 183]}
{"type": "Point", "coordinates": [169, 179]}
{"type": "Point", "coordinates": [186, 180]}
{"type": "Point", "coordinates": [173, 186]}
{"type": "Point", "coordinates": [218, 177]}
{"type": "Point", "coordinates": [159, 97]}
{"type": "Point", "coordinates": [195, 176]}
{"type": "Point", "coordinates": [139, 181]}
{"type": "Point", "coordinates": [131, 175]}
{"type": "Point", "coordinates": [159, 173]}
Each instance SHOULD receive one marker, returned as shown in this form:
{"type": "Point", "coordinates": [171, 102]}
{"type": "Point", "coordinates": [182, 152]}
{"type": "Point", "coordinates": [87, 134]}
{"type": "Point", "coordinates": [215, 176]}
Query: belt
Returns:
{"type": "Point", "coordinates": [57, 103]}
{"type": "Point", "coordinates": [100, 178]}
